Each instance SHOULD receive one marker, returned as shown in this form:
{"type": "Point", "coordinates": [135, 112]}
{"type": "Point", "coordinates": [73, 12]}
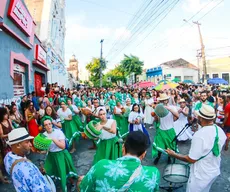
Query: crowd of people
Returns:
{"type": "Point", "coordinates": [122, 118]}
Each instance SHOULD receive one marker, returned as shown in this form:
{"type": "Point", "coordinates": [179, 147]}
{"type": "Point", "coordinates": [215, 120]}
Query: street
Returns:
{"type": "Point", "coordinates": [84, 157]}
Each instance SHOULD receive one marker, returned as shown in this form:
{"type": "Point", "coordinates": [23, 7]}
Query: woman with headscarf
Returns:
{"type": "Point", "coordinates": [108, 146]}
{"type": "Point", "coordinates": [68, 125]}
{"type": "Point", "coordinates": [75, 115]}
{"type": "Point", "coordinates": [58, 163]}
{"type": "Point", "coordinates": [118, 112]}
{"type": "Point", "coordinates": [148, 120]}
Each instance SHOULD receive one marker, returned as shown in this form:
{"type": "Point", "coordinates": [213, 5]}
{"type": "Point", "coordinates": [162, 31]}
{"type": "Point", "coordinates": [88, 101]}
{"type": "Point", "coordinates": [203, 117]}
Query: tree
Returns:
{"type": "Point", "coordinates": [94, 68]}
{"type": "Point", "coordinates": [131, 64]}
{"type": "Point", "coordinates": [116, 75]}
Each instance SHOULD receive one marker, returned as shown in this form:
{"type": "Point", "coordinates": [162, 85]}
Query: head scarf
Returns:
{"type": "Point", "coordinates": [46, 118]}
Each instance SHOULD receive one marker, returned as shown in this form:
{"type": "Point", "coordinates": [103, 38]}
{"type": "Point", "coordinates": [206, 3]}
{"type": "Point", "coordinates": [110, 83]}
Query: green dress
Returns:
{"type": "Point", "coordinates": [108, 146]}
{"type": "Point", "coordinates": [59, 163]}
{"type": "Point", "coordinates": [76, 118]}
{"type": "Point", "coordinates": [110, 176]}
{"type": "Point", "coordinates": [112, 104]}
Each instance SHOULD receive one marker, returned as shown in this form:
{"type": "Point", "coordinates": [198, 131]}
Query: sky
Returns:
{"type": "Point", "coordinates": [89, 21]}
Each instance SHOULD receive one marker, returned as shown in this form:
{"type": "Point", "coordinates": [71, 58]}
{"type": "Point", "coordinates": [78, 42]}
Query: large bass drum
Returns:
{"type": "Point", "coordinates": [176, 173]}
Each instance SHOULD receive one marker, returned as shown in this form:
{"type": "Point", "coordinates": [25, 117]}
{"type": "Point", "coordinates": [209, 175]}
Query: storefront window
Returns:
{"type": "Point", "coordinates": [225, 76]}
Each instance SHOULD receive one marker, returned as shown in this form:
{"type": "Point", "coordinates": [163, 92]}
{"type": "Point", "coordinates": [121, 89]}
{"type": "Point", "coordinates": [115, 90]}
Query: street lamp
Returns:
{"type": "Point", "coordinates": [102, 40]}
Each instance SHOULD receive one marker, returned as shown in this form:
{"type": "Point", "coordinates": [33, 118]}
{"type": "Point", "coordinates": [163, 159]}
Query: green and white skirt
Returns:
{"type": "Point", "coordinates": [108, 149]}
{"type": "Point", "coordinates": [163, 139]}
{"type": "Point", "coordinates": [70, 130]}
{"type": "Point", "coordinates": [78, 122]}
{"type": "Point", "coordinates": [122, 123]}
{"type": "Point", "coordinates": [59, 165]}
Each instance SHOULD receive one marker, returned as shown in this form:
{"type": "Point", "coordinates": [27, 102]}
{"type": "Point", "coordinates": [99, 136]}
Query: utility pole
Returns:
{"type": "Point", "coordinates": [101, 63]}
{"type": "Point", "coordinates": [198, 63]}
{"type": "Point", "coordinates": [202, 53]}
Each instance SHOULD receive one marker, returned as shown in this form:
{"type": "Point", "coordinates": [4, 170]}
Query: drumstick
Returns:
{"type": "Point", "coordinates": [160, 149]}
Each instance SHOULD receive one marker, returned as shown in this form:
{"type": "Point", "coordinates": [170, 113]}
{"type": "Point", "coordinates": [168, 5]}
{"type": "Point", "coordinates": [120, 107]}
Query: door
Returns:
{"type": "Point", "coordinates": [19, 84]}
{"type": "Point", "coordinates": [38, 84]}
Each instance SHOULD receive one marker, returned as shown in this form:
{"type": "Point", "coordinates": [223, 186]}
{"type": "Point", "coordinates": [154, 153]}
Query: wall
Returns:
{"type": "Point", "coordinates": [182, 72]}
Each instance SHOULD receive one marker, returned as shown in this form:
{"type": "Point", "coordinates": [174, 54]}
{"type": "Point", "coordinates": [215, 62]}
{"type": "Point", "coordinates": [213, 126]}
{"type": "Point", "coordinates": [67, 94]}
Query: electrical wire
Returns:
{"type": "Point", "coordinates": [141, 28]}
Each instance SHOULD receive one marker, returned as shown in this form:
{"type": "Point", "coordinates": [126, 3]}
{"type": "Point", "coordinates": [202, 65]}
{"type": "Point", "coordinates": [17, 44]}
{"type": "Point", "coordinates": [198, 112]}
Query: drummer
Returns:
{"type": "Point", "coordinates": [204, 154]}
{"type": "Point", "coordinates": [165, 134]}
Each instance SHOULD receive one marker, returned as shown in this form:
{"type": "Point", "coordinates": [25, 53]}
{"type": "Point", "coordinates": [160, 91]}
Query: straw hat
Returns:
{"type": "Point", "coordinates": [206, 112]}
{"type": "Point", "coordinates": [182, 101]}
{"type": "Point", "coordinates": [18, 135]}
{"type": "Point", "coordinates": [163, 97]}
{"type": "Point", "coordinates": [161, 111]}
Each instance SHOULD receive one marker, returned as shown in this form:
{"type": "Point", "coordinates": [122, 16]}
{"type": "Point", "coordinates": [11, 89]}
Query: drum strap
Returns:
{"type": "Point", "coordinates": [17, 161]}
{"type": "Point", "coordinates": [215, 148]}
{"type": "Point", "coordinates": [127, 185]}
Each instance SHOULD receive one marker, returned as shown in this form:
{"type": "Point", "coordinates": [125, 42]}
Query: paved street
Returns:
{"type": "Point", "coordinates": [84, 157]}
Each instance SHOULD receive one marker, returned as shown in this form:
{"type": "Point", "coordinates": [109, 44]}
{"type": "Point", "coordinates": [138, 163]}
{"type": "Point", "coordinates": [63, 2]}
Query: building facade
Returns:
{"type": "Point", "coordinates": [219, 67]}
{"type": "Point", "coordinates": [73, 68]}
{"type": "Point", "coordinates": [154, 74]}
{"type": "Point", "coordinates": [23, 59]}
{"type": "Point", "coordinates": [50, 18]}
{"type": "Point", "coordinates": [180, 69]}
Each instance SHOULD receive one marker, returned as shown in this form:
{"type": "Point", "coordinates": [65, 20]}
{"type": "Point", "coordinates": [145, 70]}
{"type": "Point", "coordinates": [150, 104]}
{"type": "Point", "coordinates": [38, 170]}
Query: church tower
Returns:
{"type": "Point", "coordinates": [73, 68]}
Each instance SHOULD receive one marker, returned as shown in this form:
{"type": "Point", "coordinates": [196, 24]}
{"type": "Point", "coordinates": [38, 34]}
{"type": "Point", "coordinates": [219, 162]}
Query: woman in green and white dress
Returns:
{"type": "Point", "coordinates": [108, 146]}
{"type": "Point", "coordinates": [58, 163]}
{"type": "Point", "coordinates": [122, 121]}
{"type": "Point", "coordinates": [75, 115]}
{"type": "Point", "coordinates": [68, 126]}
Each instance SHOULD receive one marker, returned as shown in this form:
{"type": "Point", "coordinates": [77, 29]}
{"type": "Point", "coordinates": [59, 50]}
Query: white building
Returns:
{"type": "Point", "coordinates": [180, 69]}
{"type": "Point", "coordinates": [50, 18]}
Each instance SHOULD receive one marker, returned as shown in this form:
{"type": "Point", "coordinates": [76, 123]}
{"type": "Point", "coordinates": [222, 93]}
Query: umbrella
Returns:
{"type": "Point", "coordinates": [188, 81]}
{"type": "Point", "coordinates": [217, 81]}
{"type": "Point", "coordinates": [176, 80]}
{"type": "Point", "coordinates": [145, 84]}
{"type": "Point", "coordinates": [163, 81]}
{"type": "Point", "coordinates": [163, 86]}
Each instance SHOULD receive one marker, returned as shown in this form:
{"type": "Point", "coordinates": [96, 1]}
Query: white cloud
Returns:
{"type": "Point", "coordinates": [196, 5]}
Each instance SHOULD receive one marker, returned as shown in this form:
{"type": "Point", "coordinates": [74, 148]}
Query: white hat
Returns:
{"type": "Point", "coordinates": [18, 135]}
{"type": "Point", "coordinates": [163, 97]}
{"type": "Point", "coordinates": [128, 99]}
{"type": "Point", "coordinates": [206, 112]}
{"type": "Point", "coordinates": [182, 101]}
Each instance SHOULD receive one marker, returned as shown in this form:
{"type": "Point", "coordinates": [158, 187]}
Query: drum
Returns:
{"type": "Point", "coordinates": [50, 183]}
{"type": "Point", "coordinates": [86, 111]}
{"type": "Point", "coordinates": [176, 173]}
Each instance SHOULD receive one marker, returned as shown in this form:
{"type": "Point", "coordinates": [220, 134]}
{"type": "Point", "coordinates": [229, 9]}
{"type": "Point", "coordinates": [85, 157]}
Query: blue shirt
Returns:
{"type": "Point", "coordinates": [25, 175]}
{"type": "Point", "coordinates": [35, 102]}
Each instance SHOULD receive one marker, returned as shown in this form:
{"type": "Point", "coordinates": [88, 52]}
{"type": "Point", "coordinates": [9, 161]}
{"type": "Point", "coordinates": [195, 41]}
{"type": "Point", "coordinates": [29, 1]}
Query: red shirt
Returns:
{"type": "Point", "coordinates": [227, 110]}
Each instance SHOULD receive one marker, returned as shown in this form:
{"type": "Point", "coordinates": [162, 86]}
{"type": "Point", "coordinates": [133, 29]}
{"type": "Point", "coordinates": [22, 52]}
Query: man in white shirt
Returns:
{"type": "Point", "coordinates": [204, 154]}
{"type": "Point", "coordinates": [165, 135]}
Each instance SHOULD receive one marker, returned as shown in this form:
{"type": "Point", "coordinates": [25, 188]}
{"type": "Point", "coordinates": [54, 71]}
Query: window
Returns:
{"type": "Point", "coordinates": [214, 75]}
{"type": "Point", "coordinates": [188, 77]}
{"type": "Point", "coordinates": [225, 76]}
{"type": "Point", "coordinates": [178, 77]}
{"type": "Point", "coordinates": [207, 76]}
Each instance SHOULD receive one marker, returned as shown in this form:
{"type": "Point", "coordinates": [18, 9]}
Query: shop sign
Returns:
{"type": "Point", "coordinates": [40, 54]}
{"type": "Point", "coordinates": [19, 14]}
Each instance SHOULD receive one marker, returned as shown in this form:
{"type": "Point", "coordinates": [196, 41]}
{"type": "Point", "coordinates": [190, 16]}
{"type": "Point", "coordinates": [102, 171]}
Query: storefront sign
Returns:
{"type": "Point", "coordinates": [19, 14]}
{"type": "Point", "coordinates": [40, 54]}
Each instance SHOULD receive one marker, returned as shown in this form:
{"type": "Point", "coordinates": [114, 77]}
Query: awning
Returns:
{"type": "Point", "coordinates": [40, 65]}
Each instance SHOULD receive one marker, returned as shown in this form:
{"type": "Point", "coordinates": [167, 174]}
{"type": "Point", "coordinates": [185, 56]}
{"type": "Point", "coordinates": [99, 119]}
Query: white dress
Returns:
{"type": "Point", "coordinates": [179, 125]}
{"type": "Point", "coordinates": [132, 117]}
{"type": "Point", "coordinates": [148, 110]}
{"type": "Point", "coordinates": [105, 135]}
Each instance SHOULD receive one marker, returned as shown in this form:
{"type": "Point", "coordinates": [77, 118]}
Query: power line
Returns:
{"type": "Point", "coordinates": [172, 33]}
{"type": "Point", "coordinates": [138, 15]}
{"type": "Point", "coordinates": [148, 17]}
{"type": "Point", "coordinates": [211, 10]}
